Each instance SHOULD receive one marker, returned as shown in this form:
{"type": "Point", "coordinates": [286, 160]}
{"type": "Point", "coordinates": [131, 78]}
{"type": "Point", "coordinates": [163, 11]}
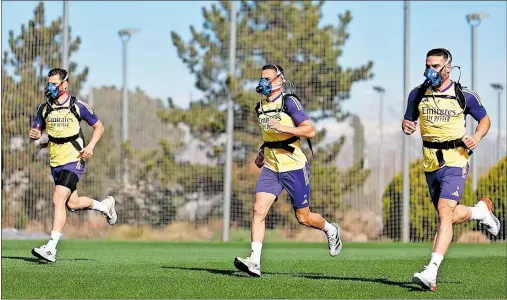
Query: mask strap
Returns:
{"type": "Point", "coordinates": [273, 79]}
{"type": "Point", "coordinates": [453, 67]}
{"type": "Point", "coordinates": [279, 74]}
{"type": "Point", "coordinates": [449, 59]}
{"type": "Point", "coordinates": [60, 84]}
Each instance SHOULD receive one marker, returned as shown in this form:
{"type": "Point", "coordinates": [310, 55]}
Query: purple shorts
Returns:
{"type": "Point", "coordinates": [75, 167]}
{"type": "Point", "coordinates": [447, 183]}
{"type": "Point", "coordinates": [296, 183]}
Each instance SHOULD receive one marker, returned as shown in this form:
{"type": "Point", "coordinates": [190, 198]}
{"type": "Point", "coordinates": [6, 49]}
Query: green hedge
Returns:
{"type": "Point", "coordinates": [494, 186]}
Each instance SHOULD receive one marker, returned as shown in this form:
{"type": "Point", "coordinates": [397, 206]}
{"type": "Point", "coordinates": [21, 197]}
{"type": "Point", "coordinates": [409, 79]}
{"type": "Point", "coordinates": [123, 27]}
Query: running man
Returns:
{"type": "Point", "coordinates": [441, 106]}
{"type": "Point", "coordinates": [60, 116]}
{"type": "Point", "coordinates": [283, 123]}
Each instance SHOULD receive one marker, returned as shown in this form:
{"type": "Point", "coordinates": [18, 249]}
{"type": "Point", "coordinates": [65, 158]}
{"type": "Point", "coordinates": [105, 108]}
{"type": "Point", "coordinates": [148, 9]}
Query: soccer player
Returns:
{"type": "Point", "coordinates": [60, 116]}
{"type": "Point", "coordinates": [441, 106]}
{"type": "Point", "coordinates": [283, 123]}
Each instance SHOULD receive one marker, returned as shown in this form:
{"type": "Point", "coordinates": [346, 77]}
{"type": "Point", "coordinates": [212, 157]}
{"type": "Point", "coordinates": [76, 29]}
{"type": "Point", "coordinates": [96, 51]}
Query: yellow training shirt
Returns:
{"type": "Point", "coordinates": [61, 123]}
{"type": "Point", "coordinates": [442, 119]}
{"type": "Point", "coordinates": [280, 160]}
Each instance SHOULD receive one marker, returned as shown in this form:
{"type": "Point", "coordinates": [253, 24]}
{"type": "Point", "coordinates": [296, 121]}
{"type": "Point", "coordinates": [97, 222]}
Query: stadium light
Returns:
{"type": "Point", "coordinates": [405, 224]}
{"type": "Point", "coordinates": [499, 88]}
{"type": "Point", "coordinates": [125, 36]}
{"type": "Point", "coordinates": [65, 48]}
{"type": "Point", "coordinates": [380, 173]}
{"type": "Point", "coordinates": [474, 20]}
{"type": "Point", "coordinates": [229, 130]}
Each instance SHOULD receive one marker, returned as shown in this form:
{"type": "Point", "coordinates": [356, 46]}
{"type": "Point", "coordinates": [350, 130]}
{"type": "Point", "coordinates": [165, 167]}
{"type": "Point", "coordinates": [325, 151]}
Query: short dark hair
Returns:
{"type": "Point", "coordinates": [60, 72]}
{"type": "Point", "coordinates": [440, 52]}
{"type": "Point", "coordinates": [273, 67]}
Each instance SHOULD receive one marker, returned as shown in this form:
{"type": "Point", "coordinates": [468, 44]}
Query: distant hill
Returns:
{"type": "Point", "coordinates": [145, 128]}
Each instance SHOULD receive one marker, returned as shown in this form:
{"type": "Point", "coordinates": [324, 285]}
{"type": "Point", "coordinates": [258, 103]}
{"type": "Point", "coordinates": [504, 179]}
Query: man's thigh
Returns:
{"type": "Point", "coordinates": [452, 183]}
{"type": "Point", "coordinates": [268, 182]}
{"type": "Point", "coordinates": [447, 183]}
{"type": "Point", "coordinates": [433, 186]}
{"type": "Point", "coordinates": [78, 168]}
{"type": "Point", "coordinates": [297, 185]}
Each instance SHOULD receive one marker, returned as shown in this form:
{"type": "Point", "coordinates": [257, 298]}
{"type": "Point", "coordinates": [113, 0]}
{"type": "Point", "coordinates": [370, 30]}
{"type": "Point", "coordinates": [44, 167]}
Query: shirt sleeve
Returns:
{"type": "Point", "coordinates": [474, 106]}
{"type": "Point", "coordinates": [86, 113]}
{"type": "Point", "coordinates": [296, 111]}
{"type": "Point", "coordinates": [412, 112]}
{"type": "Point", "coordinates": [38, 117]}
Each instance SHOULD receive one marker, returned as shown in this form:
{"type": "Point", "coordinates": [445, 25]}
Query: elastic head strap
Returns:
{"type": "Point", "coordinates": [449, 56]}
{"type": "Point", "coordinates": [278, 73]}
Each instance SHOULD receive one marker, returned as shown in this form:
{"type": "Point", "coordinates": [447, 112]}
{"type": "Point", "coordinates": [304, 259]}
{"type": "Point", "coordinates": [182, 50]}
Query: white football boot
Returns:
{"type": "Point", "coordinates": [427, 278]}
{"type": "Point", "coordinates": [111, 215]}
{"type": "Point", "coordinates": [334, 242]}
{"type": "Point", "coordinates": [491, 221]}
{"type": "Point", "coordinates": [248, 266]}
{"type": "Point", "coordinates": [45, 253]}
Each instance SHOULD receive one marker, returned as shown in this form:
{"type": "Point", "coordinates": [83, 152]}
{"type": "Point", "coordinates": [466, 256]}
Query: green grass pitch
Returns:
{"type": "Point", "coordinates": [106, 269]}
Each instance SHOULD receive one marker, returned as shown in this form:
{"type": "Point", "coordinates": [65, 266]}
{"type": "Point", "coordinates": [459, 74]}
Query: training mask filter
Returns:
{"type": "Point", "coordinates": [434, 77]}
{"type": "Point", "coordinates": [264, 87]}
{"type": "Point", "coordinates": [53, 91]}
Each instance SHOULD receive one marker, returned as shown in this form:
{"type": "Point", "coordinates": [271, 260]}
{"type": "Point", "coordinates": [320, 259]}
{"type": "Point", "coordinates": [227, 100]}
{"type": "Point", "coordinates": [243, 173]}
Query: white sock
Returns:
{"type": "Point", "coordinates": [53, 241]}
{"type": "Point", "coordinates": [329, 229]}
{"type": "Point", "coordinates": [478, 212]}
{"type": "Point", "coordinates": [97, 205]}
{"type": "Point", "coordinates": [436, 259]}
{"type": "Point", "coordinates": [256, 252]}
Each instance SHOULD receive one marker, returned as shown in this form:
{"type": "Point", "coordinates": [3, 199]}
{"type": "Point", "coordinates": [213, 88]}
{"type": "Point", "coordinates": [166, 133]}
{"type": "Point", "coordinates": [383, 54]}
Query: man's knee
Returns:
{"type": "Point", "coordinates": [260, 210]}
{"type": "Point", "coordinates": [446, 210]}
{"type": "Point", "coordinates": [71, 205]}
{"type": "Point", "coordinates": [445, 214]}
{"type": "Point", "coordinates": [59, 197]}
{"type": "Point", "coordinates": [262, 204]}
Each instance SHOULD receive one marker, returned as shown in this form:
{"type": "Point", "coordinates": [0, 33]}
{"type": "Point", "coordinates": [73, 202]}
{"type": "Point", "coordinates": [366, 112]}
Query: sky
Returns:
{"type": "Point", "coordinates": [376, 33]}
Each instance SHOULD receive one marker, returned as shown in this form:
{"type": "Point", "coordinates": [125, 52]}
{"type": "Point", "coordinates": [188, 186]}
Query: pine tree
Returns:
{"type": "Point", "coordinates": [30, 55]}
{"type": "Point", "coordinates": [287, 33]}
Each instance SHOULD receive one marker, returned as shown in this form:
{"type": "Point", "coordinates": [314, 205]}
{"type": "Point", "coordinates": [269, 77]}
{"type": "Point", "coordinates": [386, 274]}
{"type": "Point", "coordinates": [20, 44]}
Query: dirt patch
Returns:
{"type": "Point", "coordinates": [359, 226]}
{"type": "Point", "coordinates": [475, 237]}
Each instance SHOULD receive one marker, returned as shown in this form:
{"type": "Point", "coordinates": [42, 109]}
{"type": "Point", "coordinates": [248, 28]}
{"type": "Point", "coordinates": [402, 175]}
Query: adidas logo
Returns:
{"type": "Point", "coordinates": [304, 202]}
{"type": "Point", "coordinates": [455, 194]}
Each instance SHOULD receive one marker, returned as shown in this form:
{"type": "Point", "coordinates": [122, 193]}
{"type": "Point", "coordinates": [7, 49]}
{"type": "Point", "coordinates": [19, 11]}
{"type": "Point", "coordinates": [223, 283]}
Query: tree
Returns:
{"type": "Point", "coordinates": [25, 64]}
{"type": "Point", "coordinates": [358, 140]}
{"type": "Point", "coordinates": [101, 168]}
{"type": "Point", "coordinates": [286, 33]}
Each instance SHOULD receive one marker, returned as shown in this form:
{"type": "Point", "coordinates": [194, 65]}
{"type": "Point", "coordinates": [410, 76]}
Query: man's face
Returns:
{"type": "Point", "coordinates": [269, 75]}
{"type": "Point", "coordinates": [62, 86]}
{"type": "Point", "coordinates": [437, 63]}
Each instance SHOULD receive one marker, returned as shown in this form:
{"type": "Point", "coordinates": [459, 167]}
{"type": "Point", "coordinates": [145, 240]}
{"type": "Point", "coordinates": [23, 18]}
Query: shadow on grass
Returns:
{"type": "Point", "coordinates": [234, 273]}
{"type": "Point", "coordinates": [40, 261]}
{"type": "Point", "coordinates": [403, 284]}
{"type": "Point", "coordinates": [410, 286]}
